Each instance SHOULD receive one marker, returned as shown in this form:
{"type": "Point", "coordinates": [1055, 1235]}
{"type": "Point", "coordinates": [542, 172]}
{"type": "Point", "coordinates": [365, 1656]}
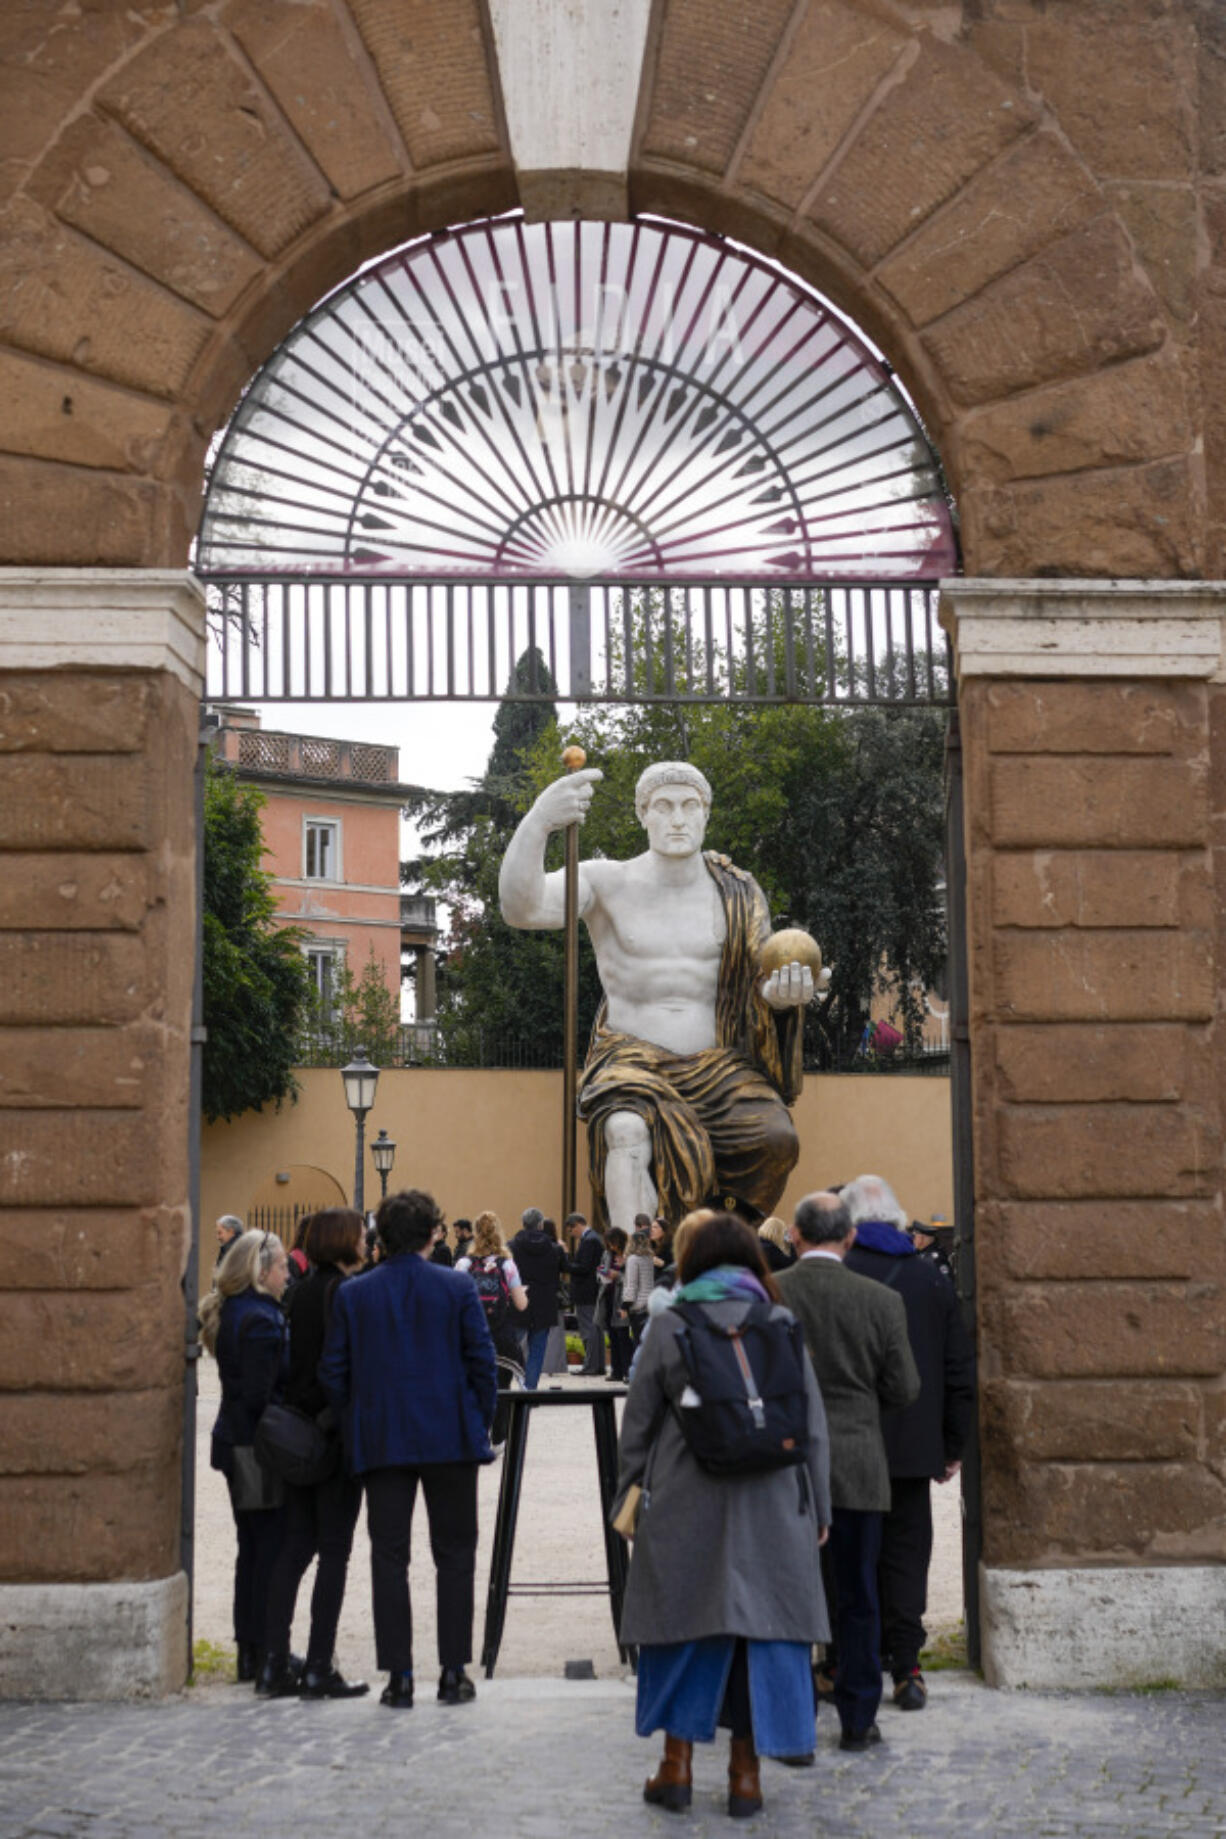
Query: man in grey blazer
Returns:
{"type": "Point", "coordinates": [856, 1332]}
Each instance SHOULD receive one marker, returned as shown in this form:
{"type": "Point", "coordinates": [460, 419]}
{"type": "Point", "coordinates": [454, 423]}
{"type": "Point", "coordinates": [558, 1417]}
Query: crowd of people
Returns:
{"type": "Point", "coordinates": [793, 1392]}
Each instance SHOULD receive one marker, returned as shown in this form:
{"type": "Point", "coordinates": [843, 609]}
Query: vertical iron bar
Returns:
{"type": "Point", "coordinates": [963, 1159]}
{"type": "Point", "coordinates": [409, 642]}
{"type": "Point", "coordinates": [580, 646]}
{"type": "Point", "coordinates": [368, 630]}
{"type": "Point", "coordinates": [909, 627]}
{"type": "Point", "coordinates": [832, 681]}
{"type": "Point", "coordinates": [449, 615]}
{"type": "Point", "coordinates": [708, 627]}
{"type": "Point", "coordinates": [870, 666]}
{"type": "Point", "coordinates": [670, 666]}
{"type": "Point", "coordinates": [570, 1004]}
{"type": "Point", "coordinates": [789, 646]}
{"type": "Point", "coordinates": [245, 628]}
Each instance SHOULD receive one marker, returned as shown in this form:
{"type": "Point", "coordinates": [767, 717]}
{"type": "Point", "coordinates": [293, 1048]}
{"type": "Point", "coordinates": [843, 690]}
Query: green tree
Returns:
{"type": "Point", "coordinates": [493, 982]}
{"type": "Point", "coordinates": [358, 1012]}
{"type": "Point", "coordinates": [256, 979]}
{"type": "Point", "coordinates": [838, 813]}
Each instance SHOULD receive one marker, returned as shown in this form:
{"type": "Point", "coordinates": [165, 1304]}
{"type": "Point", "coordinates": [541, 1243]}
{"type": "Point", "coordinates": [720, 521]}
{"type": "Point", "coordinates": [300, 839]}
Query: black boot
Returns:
{"type": "Point", "coordinates": [398, 1692]}
{"type": "Point", "coordinates": [455, 1687]}
{"type": "Point", "coordinates": [278, 1679]}
{"type": "Point", "coordinates": [250, 1659]}
{"type": "Point", "coordinates": [320, 1680]}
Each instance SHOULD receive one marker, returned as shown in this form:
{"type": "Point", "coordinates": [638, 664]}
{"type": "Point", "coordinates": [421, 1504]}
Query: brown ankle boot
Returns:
{"type": "Point", "coordinates": [744, 1788]}
{"type": "Point", "coordinates": [671, 1785]}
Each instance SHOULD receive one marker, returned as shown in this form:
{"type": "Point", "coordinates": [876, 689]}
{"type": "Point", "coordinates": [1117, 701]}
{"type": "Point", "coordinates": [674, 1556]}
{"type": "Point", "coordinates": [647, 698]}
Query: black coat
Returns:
{"type": "Point", "coordinates": [252, 1361]}
{"type": "Point", "coordinates": [309, 1309]}
{"type": "Point", "coordinates": [540, 1261]}
{"type": "Point", "coordinates": [584, 1266]}
{"type": "Point", "coordinates": [921, 1438]}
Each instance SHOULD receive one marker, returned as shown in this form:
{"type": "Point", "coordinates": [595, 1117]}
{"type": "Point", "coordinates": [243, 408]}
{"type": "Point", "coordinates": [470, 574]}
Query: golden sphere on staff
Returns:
{"type": "Point", "coordinates": [791, 946]}
{"type": "Point", "coordinates": [573, 758]}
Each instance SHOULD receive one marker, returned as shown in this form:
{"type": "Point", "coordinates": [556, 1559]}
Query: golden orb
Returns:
{"type": "Point", "coordinates": [792, 946]}
{"type": "Point", "coordinates": [573, 758]}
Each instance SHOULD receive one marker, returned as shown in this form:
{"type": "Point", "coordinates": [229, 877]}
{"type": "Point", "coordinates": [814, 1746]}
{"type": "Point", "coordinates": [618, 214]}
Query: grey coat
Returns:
{"type": "Point", "coordinates": [717, 1555]}
{"type": "Point", "coordinates": [857, 1335]}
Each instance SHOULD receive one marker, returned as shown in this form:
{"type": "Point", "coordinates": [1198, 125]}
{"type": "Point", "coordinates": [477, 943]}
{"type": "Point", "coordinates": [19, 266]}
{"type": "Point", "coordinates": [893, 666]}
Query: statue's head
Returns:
{"type": "Point", "coordinates": [673, 801]}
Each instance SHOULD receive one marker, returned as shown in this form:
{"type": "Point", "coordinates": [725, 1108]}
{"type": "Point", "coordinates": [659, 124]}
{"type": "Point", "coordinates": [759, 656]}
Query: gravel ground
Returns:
{"type": "Point", "coordinates": [559, 1537]}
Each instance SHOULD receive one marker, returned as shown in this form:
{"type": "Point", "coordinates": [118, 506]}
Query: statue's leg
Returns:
{"type": "Point", "coordinates": [628, 1187]}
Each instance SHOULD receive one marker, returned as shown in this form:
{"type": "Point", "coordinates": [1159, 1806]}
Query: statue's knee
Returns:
{"type": "Point", "coordinates": [626, 1130]}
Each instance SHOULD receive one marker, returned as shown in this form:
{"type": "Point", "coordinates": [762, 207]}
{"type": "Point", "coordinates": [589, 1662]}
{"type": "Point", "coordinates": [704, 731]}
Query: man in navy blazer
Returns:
{"type": "Point", "coordinates": [409, 1365]}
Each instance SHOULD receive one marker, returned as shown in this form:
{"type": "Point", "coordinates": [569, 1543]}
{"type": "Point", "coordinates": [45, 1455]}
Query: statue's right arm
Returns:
{"type": "Point", "coordinates": [528, 897]}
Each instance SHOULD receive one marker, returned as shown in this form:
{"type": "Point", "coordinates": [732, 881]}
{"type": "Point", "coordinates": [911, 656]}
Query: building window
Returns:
{"type": "Point", "coordinates": [324, 962]}
{"type": "Point", "coordinates": [322, 850]}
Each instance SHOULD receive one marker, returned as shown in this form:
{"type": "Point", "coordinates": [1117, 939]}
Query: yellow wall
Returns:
{"type": "Point", "coordinates": [486, 1139]}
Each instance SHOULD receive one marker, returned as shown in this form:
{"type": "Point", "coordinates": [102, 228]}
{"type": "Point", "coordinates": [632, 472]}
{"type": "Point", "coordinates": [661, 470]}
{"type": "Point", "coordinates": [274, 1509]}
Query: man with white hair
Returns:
{"type": "Point", "coordinates": [695, 1056]}
{"type": "Point", "coordinates": [924, 1440]}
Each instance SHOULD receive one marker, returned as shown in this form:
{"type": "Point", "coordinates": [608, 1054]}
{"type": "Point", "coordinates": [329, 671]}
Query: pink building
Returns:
{"type": "Point", "coordinates": [332, 847]}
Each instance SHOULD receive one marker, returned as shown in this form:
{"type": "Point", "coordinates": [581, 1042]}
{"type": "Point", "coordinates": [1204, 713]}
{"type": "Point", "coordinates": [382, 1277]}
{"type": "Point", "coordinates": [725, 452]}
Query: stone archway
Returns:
{"type": "Point", "coordinates": [1024, 207]}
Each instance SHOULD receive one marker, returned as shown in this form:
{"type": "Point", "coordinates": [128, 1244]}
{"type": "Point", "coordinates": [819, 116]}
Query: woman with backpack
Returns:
{"type": "Point", "coordinates": [503, 1297]}
{"type": "Point", "coordinates": [725, 1474]}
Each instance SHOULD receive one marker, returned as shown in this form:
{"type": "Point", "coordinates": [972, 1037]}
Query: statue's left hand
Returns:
{"type": "Point", "coordinates": [792, 986]}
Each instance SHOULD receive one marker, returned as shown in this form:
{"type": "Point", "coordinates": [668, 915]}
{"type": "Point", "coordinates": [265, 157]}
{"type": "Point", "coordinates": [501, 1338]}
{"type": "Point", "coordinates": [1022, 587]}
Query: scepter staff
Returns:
{"type": "Point", "coordinates": [572, 759]}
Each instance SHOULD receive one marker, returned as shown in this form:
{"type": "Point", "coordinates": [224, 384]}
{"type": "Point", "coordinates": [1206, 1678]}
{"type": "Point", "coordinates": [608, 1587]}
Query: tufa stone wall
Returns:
{"type": "Point", "coordinates": [1095, 831]}
{"type": "Point", "coordinates": [1024, 201]}
{"type": "Point", "coordinates": [97, 902]}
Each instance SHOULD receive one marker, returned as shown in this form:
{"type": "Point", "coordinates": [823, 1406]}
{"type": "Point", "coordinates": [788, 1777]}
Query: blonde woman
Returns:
{"type": "Point", "coordinates": [504, 1299]}
{"type": "Point", "coordinates": [774, 1244]}
{"type": "Point", "coordinates": [241, 1325]}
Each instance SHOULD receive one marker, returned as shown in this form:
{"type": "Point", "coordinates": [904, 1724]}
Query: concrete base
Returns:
{"type": "Point", "coordinates": [1082, 1629]}
{"type": "Point", "coordinates": [93, 1641]}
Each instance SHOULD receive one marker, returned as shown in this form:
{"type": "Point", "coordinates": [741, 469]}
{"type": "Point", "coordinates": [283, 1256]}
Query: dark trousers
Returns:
{"type": "Point", "coordinates": [902, 1572]}
{"type": "Point", "coordinates": [849, 1567]}
{"type": "Point", "coordinates": [259, 1540]}
{"type": "Point", "coordinates": [638, 1322]}
{"type": "Point", "coordinates": [450, 1489]}
{"type": "Point", "coordinates": [322, 1520]}
{"type": "Point", "coordinates": [619, 1351]}
{"type": "Point", "coordinates": [593, 1341]}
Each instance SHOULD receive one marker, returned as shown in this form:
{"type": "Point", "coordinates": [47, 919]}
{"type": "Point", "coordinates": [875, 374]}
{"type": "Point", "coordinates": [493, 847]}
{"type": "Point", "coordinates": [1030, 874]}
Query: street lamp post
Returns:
{"type": "Point", "coordinates": [360, 1079]}
{"type": "Point", "coordinates": [383, 1154]}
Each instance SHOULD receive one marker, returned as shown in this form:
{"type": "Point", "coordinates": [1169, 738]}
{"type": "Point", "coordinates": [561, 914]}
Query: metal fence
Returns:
{"type": "Point", "coordinates": [377, 638]}
{"type": "Point", "coordinates": [420, 1044]}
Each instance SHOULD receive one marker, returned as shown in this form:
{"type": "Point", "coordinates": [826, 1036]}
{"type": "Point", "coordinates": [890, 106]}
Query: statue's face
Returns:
{"type": "Point", "coordinates": [675, 820]}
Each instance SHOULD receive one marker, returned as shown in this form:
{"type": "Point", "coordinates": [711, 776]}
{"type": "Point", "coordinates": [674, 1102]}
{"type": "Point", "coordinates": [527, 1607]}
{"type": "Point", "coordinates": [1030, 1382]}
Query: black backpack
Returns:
{"type": "Point", "coordinates": [753, 1412]}
{"type": "Point", "coordinates": [490, 1278]}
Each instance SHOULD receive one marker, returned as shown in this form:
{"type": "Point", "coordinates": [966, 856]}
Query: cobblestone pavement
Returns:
{"type": "Point", "coordinates": [553, 1759]}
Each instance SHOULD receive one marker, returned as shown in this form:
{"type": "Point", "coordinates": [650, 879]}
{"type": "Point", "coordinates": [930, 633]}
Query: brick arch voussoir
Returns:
{"type": "Point", "coordinates": [1053, 388]}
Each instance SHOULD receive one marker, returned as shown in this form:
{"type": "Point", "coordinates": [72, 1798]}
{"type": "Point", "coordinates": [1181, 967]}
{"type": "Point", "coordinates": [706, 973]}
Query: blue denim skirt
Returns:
{"type": "Point", "coordinates": [681, 1688]}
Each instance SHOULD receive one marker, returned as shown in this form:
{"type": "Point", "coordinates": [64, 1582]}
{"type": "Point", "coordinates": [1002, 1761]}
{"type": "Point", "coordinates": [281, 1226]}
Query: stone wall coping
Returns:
{"type": "Point", "coordinates": [1086, 628]}
{"type": "Point", "coordinates": [94, 1641]}
{"type": "Point", "coordinates": [1148, 1623]}
{"type": "Point", "coordinates": [141, 619]}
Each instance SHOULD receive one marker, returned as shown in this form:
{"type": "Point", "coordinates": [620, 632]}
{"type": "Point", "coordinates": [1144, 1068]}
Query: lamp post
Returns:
{"type": "Point", "coordinates": [360, 1079]}
{"type": "Point", "coordinates": [383, 1154]}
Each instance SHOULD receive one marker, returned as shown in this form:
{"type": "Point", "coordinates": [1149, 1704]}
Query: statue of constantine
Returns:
{"type": "Point", "coordinates": [695, 1056]}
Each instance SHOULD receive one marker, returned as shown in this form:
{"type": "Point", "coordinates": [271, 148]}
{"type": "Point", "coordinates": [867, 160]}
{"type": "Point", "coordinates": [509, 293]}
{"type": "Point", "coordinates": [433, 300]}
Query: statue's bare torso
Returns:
{"type": "Point", "coordinates": [658, 941]}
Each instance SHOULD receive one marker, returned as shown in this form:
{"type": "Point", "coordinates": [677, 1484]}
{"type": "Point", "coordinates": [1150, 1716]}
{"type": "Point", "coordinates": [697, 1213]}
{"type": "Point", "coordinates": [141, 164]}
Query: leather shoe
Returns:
{"type": "Point", "coordinates": [797, 1762]}
{"type": "Point", "coordinates": [672, 1785]}
{"type": "Point", "coordinates": [861, 1739]}
{"type": "Point", "coordinates": [744, 1784]}
{"type": "Point", "coordinates": [278, 1679]}
{"type": "Point", "coordinates": [325, 1682]}
{"type": "Point", "coordinates": [455, 1687]}
{"type": "Point", "coordinates": [398, 1692]}
{"type": "Point", "coordinates": [250, 1660]}
{"type": "Point", "coordinates": [910, 1692]}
